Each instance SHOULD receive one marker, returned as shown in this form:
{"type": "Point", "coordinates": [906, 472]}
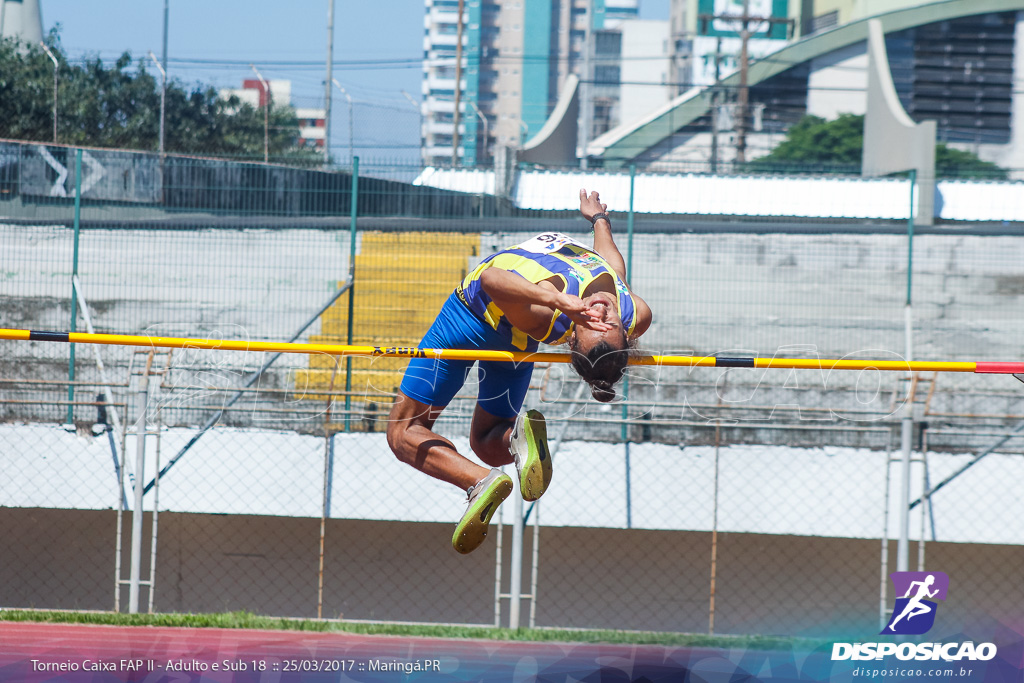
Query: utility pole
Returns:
{"type": "Point", "coordinates": [743, 92]}
{"type": "Point", "coordinates": [715, 104]}
{"type": "Point", "coordinates": [163, 72]}
{"type": "Point", "coordinates": [327, 82]}
{"type": "Point", "coordinates": [743, 95]}
{"type": "Point", "coordinates": [458, 86]}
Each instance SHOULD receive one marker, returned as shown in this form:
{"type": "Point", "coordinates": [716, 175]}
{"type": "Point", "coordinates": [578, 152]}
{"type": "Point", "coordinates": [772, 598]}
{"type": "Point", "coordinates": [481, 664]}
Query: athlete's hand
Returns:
{"type": "Point", "coordinates": [590, 205]}
{"type": "Point", "coordinates": [579, 312]}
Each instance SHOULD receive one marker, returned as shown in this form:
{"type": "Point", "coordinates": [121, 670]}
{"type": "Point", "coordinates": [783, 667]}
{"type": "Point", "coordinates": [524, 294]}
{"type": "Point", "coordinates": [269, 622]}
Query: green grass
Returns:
{"type": "Point", "coordinates": [245, 620]}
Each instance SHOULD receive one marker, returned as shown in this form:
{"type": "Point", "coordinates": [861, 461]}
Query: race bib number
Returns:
{"type": "Point", "coordinates": [549, 242]}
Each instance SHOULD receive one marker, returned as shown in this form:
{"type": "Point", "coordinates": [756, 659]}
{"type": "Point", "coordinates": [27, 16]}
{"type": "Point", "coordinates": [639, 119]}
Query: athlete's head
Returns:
{"type": "Point", "coordinates": [600, 356]}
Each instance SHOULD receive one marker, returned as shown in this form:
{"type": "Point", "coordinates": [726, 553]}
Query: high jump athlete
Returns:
{"type": "Point", "coordinates": [552, 290]}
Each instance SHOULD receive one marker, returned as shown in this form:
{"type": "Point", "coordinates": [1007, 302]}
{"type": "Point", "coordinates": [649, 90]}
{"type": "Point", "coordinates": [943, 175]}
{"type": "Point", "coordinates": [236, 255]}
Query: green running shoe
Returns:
{"type": "Point", "coordinates": [529, 446]}
{"type": "Point", "coordinates": [484, 498]}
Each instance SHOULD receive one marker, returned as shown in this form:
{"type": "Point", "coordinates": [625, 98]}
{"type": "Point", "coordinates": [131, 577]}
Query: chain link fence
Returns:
{"type": "Point", "coordinates": [704, 500]}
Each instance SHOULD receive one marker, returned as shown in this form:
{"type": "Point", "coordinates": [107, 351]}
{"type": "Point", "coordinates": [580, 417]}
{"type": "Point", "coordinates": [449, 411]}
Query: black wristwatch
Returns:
{"type": "Point", "coordinates": [599, 216]}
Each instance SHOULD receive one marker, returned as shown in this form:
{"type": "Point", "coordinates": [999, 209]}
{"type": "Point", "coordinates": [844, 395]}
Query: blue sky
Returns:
{"type": "Point", "coordinates": [286, 39]}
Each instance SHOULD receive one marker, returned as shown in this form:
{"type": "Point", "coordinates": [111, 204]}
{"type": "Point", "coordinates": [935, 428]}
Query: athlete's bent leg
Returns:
{"type": "Point", "coordinates": [412, 440]}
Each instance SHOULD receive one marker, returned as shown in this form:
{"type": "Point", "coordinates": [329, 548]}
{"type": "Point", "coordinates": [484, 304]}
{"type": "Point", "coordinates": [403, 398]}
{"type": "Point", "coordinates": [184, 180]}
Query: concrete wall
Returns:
{"type": "Point", "coordinates": [588, 578]}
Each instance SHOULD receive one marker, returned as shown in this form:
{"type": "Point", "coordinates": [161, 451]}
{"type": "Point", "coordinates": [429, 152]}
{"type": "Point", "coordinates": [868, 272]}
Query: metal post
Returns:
{"type": "Point", "coordinates": [884, 572]}
{"type": "Point", "coordinates": [624, 433]}
{"type": "Point", "coordinates": [111, 408]}
{"type": "Point", "coordinates": [163, 94]}
{"type": "Point", "coordinates": [714, 532]}
{"type": "Point", "coordinates": [325, 512]}
{"type": "Point", "coordinates": [266, 113]}
{"type": "Point", "coordinates": [353, 213]}
{"type": "Point", "coordinates": [499, 533]}
{"type": "Point", "coordinates": [515, 588]}
{"type": "Point", "coordinates": [535, 568]}
{"type": "Point", "coordinates": [55, 66]}
{"type": "Point", "coordinates": [156, 512]}
{"type": "Point", "coordinates": [140, 461]}
{"type": "Point", "coordinates": [74, 279]}
{"type": "Point", "coordinates": [327, 82]}
{"type": "Point", "coordinates": [907, 423]}
{"type": "Point", "coordinates": [903, 543]}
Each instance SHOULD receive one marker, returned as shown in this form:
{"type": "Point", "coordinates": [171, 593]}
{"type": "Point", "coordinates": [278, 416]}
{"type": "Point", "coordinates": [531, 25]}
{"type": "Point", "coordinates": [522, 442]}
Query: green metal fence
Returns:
{"type": "Point", "coordinates": [733, 501]}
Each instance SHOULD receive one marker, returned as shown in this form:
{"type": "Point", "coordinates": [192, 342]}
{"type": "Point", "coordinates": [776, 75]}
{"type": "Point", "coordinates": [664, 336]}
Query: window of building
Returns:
{"type": "Point", "coordinates": [607, 43]}
{"type": "Point", "coordinates": [825, 21]}
{"type": "Point", "coordinates": [606, 75]}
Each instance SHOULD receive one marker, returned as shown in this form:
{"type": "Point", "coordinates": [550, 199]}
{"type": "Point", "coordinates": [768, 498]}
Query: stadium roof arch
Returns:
{"type": "Point", "coordinates": [626, 142]}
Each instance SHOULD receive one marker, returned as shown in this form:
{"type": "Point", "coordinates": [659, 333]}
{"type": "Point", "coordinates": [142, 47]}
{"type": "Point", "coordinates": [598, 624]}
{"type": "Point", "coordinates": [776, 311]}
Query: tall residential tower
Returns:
{"type": "Point", "coordinates": [516, 54]}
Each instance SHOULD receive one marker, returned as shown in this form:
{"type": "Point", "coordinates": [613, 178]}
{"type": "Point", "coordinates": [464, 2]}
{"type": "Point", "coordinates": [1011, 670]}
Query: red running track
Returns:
{"type": "Point", "coordinates": [36, 652]}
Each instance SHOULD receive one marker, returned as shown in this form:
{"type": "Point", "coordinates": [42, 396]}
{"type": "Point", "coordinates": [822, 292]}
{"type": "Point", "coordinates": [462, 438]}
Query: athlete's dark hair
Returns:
{"type": "Point", "coordinates": [601, 367]}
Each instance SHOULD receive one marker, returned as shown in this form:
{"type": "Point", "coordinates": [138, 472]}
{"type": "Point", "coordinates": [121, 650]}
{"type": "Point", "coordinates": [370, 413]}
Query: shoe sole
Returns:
{"type": "Point", "coordinates": [472, 528]}
{"type": "Point", "coordinates": [535, 475]}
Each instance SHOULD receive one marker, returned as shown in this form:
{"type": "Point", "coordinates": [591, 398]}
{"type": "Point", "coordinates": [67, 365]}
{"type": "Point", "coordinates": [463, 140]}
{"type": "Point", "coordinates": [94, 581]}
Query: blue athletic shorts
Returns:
{"type": "Point", "coordinates": [502, 384]}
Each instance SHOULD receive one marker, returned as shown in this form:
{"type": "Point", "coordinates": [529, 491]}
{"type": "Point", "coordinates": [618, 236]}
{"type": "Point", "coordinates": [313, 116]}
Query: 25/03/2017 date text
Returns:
{"type": "Point", "coordinates": [329, 665]}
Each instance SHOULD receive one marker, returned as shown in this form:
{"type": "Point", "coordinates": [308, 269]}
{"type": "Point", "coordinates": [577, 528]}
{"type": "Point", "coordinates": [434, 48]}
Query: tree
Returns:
{"type": "Point", "coordinates": [817, 144]}
{"type": "Point", "coordinates": [119, 106]}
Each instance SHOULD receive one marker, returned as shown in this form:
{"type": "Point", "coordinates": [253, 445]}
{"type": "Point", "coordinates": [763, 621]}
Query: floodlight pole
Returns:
{"type": "Point", "coordinates": [55, 66]}
{"type": "Point", "coordinates": [484, 119]}
{"type": "Point", "coordinates": [266, 114]}
{"type": "Point", "coordinates": [419, 110]}
{"type": "Point", "coordinates": [327, 82]}
{"type": "Point", "coordinates": [351, 115]}
{"type": "Point", "coordinates": [163, 97]}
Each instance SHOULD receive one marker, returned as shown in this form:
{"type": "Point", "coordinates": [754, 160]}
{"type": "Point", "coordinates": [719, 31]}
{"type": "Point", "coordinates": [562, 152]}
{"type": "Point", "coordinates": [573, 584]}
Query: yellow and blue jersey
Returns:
{"type": "Point", "coordinates": [550, 255]}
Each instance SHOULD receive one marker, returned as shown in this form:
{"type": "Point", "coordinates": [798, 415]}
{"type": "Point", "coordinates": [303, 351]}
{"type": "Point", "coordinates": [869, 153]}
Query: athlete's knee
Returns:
{"type": "Point", "coordinates": [489, 444]}
{"type": "Point", "coordinates": [396, 434]}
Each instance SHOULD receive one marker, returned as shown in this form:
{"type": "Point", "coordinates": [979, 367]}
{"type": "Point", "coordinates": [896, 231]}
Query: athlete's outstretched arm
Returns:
{"type": "Point", "coordinates": [604, 245]}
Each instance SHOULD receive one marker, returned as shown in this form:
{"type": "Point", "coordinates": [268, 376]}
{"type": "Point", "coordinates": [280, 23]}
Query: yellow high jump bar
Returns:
{"type": "Point", "coordinates": [999, 368]}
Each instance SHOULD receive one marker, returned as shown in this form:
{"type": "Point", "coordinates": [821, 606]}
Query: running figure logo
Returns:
{"type": "Point", "coordinates": [914, 611]}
